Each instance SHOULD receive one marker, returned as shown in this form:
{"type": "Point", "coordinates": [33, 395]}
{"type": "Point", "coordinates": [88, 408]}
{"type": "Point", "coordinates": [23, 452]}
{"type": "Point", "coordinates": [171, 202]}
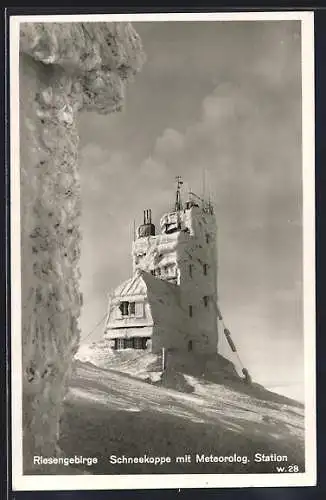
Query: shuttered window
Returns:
{"type": "Point", "coordinates": [131, 343]}
{"type": "Point", "coordinates": [124, 308]}
{"type": "Point", "coordinates": [127, 308]}
{"type": "Point", "coordinates": [119, 343]}
{"type": "Point", "coordinates": [139, 343]}
{"type": "Point", "coordinates": [139, 309]}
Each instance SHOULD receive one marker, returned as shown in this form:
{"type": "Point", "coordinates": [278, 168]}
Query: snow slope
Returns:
{"type": "Point", "coordinates": [109, 412]}
{"type": "Point", "coordinates": [135, 362]}
{"type": "Point", "coordinates": [147, 366]}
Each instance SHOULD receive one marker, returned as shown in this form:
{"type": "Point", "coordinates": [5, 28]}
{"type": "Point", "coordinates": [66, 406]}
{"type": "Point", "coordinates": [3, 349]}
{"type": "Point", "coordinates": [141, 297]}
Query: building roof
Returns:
{"type": "Point", "coordinates": [132, 286]}
{"type": "Point", "coordinates": [159, 287]}
{"type": "Point", "coordinates": [142, 283]}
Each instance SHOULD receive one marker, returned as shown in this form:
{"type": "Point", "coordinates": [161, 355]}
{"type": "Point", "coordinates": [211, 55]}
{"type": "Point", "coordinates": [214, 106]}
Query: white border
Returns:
{"type": "Point", "coordinates": [115, 482]}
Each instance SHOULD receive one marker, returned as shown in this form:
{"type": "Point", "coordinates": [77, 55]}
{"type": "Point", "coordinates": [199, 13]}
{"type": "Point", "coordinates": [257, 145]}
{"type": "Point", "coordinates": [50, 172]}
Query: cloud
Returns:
{"type": "Point", "coordinates": [252, 157]}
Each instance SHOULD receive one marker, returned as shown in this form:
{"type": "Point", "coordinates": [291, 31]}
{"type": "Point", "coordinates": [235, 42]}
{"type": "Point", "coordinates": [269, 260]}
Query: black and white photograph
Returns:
{"type": "Point", "coordinates": [162, 250]}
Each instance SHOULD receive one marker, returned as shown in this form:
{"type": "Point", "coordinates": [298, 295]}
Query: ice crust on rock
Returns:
{"type": "Point", "coordinates": [64, 68]}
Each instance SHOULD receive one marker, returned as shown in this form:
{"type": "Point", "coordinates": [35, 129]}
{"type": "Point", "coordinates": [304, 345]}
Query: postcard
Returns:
{"type": "Point", "coordinates": [162, 250]}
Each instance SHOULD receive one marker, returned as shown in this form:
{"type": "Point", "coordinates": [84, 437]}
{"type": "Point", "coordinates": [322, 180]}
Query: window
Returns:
{"type": "Point", "coordinates": [205, 267]}
{"type": "Point", "coordinates": [132, 308]}
{"type": "Point", "coordinates": [124, 308]}
{"type": "Point", "coordinates": [139, 309]}
{"type": "Point", "coordinates": [190, 270]}
{"type": "Point", "coordinates": [127, 308]}
{"type": "Point", "coordinates": [190, 345]}
{"type": "Point", "coordinates": [205, 299]}
{"type": "Point", "coordinates": [119, 344]}
{"type": "Point", "coordinates": [207, 238]}
{"type": "Point", "coordinates": [139, 343]}
{"type": "Point", "coordinates": [190, 311]}
{"type": "Point", "coordinates": [131, 343]}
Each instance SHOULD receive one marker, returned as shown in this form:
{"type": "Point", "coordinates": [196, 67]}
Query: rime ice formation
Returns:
{"type": "Point", "coordinates": [171, 299]}
{"type": "Point", "coordinates": [64, 68]}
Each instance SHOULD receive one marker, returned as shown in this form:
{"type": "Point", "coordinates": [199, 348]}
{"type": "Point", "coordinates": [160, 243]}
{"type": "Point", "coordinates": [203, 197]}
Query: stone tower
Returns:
{"type": "Point", "coordinates": [184, 253]}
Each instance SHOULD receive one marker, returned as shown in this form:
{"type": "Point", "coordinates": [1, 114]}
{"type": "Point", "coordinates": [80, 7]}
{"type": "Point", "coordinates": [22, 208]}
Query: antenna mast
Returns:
{"type": "Point", "coordinates": [204, 183]}
{"type": "Point", "coordinates": [178, 204]}
{"type": "Point", "coordinates": [210, 205]}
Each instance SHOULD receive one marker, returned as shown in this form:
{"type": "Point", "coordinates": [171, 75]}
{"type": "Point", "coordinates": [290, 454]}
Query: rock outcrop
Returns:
{"type": "Point", "coordinates": [65, 68]}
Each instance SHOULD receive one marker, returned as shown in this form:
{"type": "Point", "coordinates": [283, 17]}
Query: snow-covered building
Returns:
{"type": "Point", "coordinates": [170, 301]}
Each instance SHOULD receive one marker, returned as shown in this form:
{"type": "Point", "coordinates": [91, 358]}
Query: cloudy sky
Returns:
{"type": "Point", "coordinates": [224, 97]}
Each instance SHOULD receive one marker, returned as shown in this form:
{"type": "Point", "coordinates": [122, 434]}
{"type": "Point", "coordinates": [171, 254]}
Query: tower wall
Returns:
{"type": "Point", "coordinates": [197, 262]}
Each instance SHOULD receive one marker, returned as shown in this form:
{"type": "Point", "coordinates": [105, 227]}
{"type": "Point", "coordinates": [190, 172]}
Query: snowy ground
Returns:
{"type": "Point", "coordinates": [114, 412]}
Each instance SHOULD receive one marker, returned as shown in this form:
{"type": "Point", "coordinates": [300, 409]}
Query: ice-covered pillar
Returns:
{"type": "Point", "coordinates": [65, 68]}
